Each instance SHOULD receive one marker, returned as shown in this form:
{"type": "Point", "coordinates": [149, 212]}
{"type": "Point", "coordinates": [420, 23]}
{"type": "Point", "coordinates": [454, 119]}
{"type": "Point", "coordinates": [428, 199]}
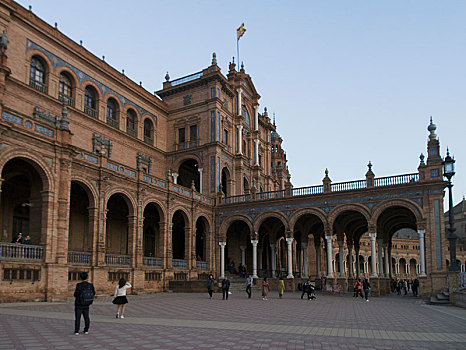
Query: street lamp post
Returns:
{"type": "Point", "coordinates": [449, 172]}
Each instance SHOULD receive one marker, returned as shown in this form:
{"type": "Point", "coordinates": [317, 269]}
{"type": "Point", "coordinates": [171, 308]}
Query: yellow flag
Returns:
{"type": "Point", "coordinates": [240, 31]}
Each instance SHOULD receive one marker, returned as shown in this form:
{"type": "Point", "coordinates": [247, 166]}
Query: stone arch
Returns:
{"type": "Point", "coordinates": [159, 204]}
{"type": "Point", "coordinates": [49, 64]}
{"type": "Point", "coordinates": [202, 230]}
{"type": "Point", "coordinates": [97, 89]}
{"type": "Point", "coordinates": [90, 189]}
{"type": "Point", "coordinates": [71, 73]}
{"type": "Point", "coordinates": [226, 224]}
{"type": "Point", "coordinates": [311, 211]}
{"type": "Point", "coordinates": [262, 217]}
{"type": "Point", "coordinates": [186, 216]}
{"type": "Point", "coordinates": [35, 160]}
{"type": "Point", "coordinates": [408, 204]}
{"type": "Point", "coordinates": [153, 118]}
{"type": "Point", "coordinates": [176, 164]}
{"type": "Point", "coordinates": [348, 207]}
{"type": "Point", "coordinates": [126, 196]}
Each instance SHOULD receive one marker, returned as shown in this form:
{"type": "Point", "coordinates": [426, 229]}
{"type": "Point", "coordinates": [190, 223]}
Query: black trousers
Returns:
{"type": "Point", "coordinates": [248, 290]}
{"type": "Point", "coordinates": [210, 292]}
{"type": "Point", "coordinates": [225, 293]}
{"type": "Point", "coordinates": [366, 293]}
{"type": "Point", "coordinates": [78, 311]}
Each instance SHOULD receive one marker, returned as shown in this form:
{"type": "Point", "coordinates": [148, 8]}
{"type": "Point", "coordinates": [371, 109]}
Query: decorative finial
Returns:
{"type": "Point", "coordinates": [122, 71]}
{"type": "Point", "coordinates": [421, 157]}
{"type": "Point", "coordinates": [233, 60]}
{"type": "Point", "coordinates": [140, 83]}
{"type": "Point", "coordinates": [103, 58]}
{"type": "Point", "coordinates": [81, 42]}
{"type": "Point", "coordinates": [448, 151]}
{"type": "Point", "coordinates": [431, 128]}
{"type": "Point", "coordinates": [242, 67]}
{"type": "Point", "coordinates": [167, 77]}
{"type": "Point", "coordinates": [30, 8]}
{"type": "Point", "coordinates": [193, 186]}
{"type": "Point", "coordinates": [369, 165]}
{"type": "Point", "coordinates": [64, 122]}
{"type": "Point", "coordinates": [274, 118]}
{"type": "Point", "coordinates": [214, 59]}
{"type": "Point", "coordinates": [326, 172]}
{"type": "Point", "coordinates": [56, 25]}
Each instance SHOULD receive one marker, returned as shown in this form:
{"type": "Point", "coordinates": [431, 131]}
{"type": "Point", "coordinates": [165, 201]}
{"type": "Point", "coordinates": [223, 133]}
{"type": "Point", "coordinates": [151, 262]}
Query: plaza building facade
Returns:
{"type": "Point", "coordinates": [108, 178]}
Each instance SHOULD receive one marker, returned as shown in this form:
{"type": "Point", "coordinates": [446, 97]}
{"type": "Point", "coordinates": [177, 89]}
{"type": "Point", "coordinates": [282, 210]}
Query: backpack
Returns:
{"type": "Point", "coordinates": [87, 295]}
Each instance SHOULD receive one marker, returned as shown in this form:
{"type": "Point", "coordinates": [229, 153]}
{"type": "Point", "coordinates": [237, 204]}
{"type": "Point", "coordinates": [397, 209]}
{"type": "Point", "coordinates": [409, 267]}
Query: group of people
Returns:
{"type": "Point", "coordinates": [84, 296]}
{"type": "Point", "coordinates": [362, 286]}
{"type": "Point", "coordinates": [308, 289]}
{"type": "Point", "coordinates": [405, 286]}
{"type": "Point", "coordinates": [20, 240]}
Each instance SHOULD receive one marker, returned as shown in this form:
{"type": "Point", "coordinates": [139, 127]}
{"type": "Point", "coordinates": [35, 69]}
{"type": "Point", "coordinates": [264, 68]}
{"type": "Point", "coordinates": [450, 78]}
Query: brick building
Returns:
{"type": "Point", "coordinates": [108, 178]}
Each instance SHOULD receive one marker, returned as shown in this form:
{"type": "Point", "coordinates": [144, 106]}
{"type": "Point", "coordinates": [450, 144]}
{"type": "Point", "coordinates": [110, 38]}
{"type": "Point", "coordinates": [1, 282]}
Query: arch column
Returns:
{"type": "Point", "coordinates": [318, 261]}
{"type": "Point", "coordinates": [358, 262]}
{"type": "Point", "coordinates": [386, 261]}
{"type": "Point", "coordinates": [329, 256]}
{"type": "Point", "coordinates": [47, 231]}
{"type": "Point", "coordinates": [305, 274]}
{"type": "Point", "coordinates": [340, 259]}
{"type": "Point", "coordinates": [373, 236]}
{"type": "Point", "coordinates": [200, 179]}
{"type": "Point", "coordinates": [289, 244]}
{"type": "Point", "coordinates": [422, 254]}
{"type": "Point", "coordinates": [222, 258]}
{"type": "Point", "coordinates": [243, 254]}
{"type": "Point", "coordinates": [132, 237]}
{"type": "Point", "coordinates": [350, 260]}
{"type": "Point", "coordinates": [259, 258]}
{"type": "Point", "coordinates": [273, 258]}
{"type": "Point", "coordinates": [254, 257]}
{"type": "Point", "coordinates": [93, 224]}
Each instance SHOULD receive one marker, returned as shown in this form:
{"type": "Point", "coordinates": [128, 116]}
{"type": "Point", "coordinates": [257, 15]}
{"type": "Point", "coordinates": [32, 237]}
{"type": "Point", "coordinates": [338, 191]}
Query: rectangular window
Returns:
{"type": "Point", "coordinates": [225, 137]}
{"type": "Point", "coordinates": [212, 92]}
{"type": "Point", "coordinates": [193, 133]}
{"type": "Point", "coordinates": [260, 160]}
{"type": "Point", "coordinates": [212, 126]}
{"type": "Point", "coordinates": [218, 92]}
{"type": "Point", "coordinates": [181, 135]}
{"type": "Point", "coordinates": [434, 173]}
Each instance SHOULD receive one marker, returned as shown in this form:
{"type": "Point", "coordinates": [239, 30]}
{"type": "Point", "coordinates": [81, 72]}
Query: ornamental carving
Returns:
{"type": "Point", "coordinates": [45, 117]}
{"type": "Point", "coordinates": [142, 159]}
{"type": "Point", "coordinates": [100, 145]}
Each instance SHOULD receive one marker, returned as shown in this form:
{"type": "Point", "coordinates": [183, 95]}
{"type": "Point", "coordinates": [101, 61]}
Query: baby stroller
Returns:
{"type": "Point", "coordinates": [311, 293]}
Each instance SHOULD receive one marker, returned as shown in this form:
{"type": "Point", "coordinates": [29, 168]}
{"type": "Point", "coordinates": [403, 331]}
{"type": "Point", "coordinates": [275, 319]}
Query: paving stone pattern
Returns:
{"type": "Point", "coordinates": [193, 321]}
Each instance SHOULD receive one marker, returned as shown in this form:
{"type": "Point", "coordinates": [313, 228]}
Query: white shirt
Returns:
{"type": "Point", "coordinates": [121, 291]}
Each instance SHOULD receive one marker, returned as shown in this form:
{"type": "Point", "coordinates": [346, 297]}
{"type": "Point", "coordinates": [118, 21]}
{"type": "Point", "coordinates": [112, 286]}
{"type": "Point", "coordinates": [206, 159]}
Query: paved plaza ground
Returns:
{"type": "Point", "coordinates": [192, 321]}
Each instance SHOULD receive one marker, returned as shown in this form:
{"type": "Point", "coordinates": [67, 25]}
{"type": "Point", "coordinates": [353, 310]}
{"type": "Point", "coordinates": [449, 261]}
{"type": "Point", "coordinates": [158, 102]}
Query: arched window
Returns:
{"type": "Point", "coordinates": [245, 113]}
{"type": "Point", "coordinates": [37, 74]}
{"type": "Point", "coordinates": [148, 131]}
{"type": "Point", "coordinates": [112, 112]}
{"type": "Point", "coordinates": [90, 101]}
{"type": "Point", "coordinates": [131, 122]}
{"type": "Point", "coordinates": [65, 89]}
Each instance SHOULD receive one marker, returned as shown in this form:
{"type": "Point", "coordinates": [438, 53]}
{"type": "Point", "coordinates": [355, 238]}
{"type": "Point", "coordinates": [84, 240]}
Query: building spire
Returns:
{"type": "Point", "coordinates": [214, 59]}
{"type": "Point", "coordinates": [431, 128]}
{"type": "Point", "coordinates": [273, 118]}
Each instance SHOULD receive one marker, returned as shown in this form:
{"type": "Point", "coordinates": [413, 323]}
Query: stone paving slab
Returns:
{"type": "Point", "coordinates": [192, 321]}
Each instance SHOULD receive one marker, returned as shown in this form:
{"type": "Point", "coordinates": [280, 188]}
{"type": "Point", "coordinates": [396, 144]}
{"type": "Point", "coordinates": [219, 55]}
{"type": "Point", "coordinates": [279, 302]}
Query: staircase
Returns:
{"type": "Point", "coordinates": [440, 299]}
{"type": "Point", "coordinates": [238, 285]}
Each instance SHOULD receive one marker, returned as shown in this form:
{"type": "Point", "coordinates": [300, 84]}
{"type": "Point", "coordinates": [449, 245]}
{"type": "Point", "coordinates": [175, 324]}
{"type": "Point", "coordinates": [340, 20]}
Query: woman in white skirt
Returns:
{"type": "Point", "coordinates": [120, 297]}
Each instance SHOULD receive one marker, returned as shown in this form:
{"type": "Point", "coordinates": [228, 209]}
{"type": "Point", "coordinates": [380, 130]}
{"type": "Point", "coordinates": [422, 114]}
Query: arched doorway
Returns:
{"type": "Point", "coordinates": [21, 201]}
{"type": "Point", "coordinates": [245, 185]}
{"type": "Point", "coordinates": [188, 172]}
{"type": "Point", "coordinates": [273, 228]}
{"type": "Point", "coordinates": [201, 239]}
{"type": "Point", "coordinates": [412, 267]}
{"type": "Point", "coordinates": [79, 239]}
{"type": "Point", "coordinates": [117, 225]}
{"type": "Point", "coordinates": [403, 271]}
{"type": "Point", "coordinates": [238, 250]}
{"type": "Point", "coordinates": [226, 182]}
{"type": "Point", "coordinates": [151, 228]}
{"type": "Point", "coordinates": [178, 235]}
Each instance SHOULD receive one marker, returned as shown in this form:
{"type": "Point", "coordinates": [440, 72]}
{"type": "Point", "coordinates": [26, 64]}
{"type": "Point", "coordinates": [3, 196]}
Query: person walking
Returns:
{"type": "Point", "coordinates": [415, 287]}
{"type": "Point", "coordinates": [405, 287]}
{"type": "Point", "coordinates": [225, 288]}
{"type": "Point", "coordinates": [281, 288]}
{"type": "Point", "coordinates": [120, 297]}
{"type": "Point", "coordinates": [366, 286]}
{"type": "Point", "coordinates": [265, 288]}
{"type": "Point", "coordinates": [211, 285]}
{"type": "Point", "coordinates": [358, 289]}
{"type": "Point", "coordinates": [249, 282]}
{"type": "Point", "coordinates": [306, 286]}
{"type": "Point", "coordinates": [84, 296]}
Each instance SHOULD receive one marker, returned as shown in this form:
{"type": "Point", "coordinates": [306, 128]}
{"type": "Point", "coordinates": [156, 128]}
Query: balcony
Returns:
{"type": "Point", "coordinates": [24, 252]}
{"type": "Point", "coordinates": [131, 132]}
{"type": "Point", "coordinates": [91, 111]}
{"type": "Point", "coordinates": [186, 145]}
{"type": "Point", "coordinates": [38, 86]}
{"type": "Point", "coordinates": [67, 100]}
{"type": "Point", "coordinates": [152, 262]}
{"type": "Point", "coordinates": [118, 260]}
{"type": "Point", "coordinates": [201, 265]}
{"type": "Point", "coordinates": [179, 263]}
{"type": "Point", "coordinates": [148, 140]}
{"type": "Point", "coordinates": [112, 122]}
{"type": "Point", "coordinates": [79, 258]}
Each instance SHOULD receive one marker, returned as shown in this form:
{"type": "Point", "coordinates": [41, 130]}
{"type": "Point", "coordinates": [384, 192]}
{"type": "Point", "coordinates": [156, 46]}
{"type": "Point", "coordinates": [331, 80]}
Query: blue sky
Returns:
{"type": "Point", "coordinates": [349, 81]}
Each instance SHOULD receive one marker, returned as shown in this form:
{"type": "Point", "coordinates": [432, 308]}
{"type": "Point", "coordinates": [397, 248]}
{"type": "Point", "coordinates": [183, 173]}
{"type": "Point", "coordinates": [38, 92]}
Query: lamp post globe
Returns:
{"type": "Point", "coordinates": [449, 172]}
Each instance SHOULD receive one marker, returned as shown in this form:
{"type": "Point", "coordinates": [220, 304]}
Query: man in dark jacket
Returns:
{"type": "Point", "coordinates": [366, 286]}
{"type": "Point", "coordinates": [83, 293]}
{"type": "Point", "coordinates": [225, 287]}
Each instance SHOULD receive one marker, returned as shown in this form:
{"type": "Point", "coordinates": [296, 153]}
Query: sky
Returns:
{"type": "Point", "coordinates": [348, 81]}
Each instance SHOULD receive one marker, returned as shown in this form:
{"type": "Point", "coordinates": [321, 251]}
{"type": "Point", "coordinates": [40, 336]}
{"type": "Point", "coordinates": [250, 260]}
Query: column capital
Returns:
{"type": "Point", "coordinates": [254, 242]}
{"type": "Point", "coordinates": [240, 126]}
{"type": "Point", "coordinates": [273, 246]}
{"type": "Point", "coordinates": [373, 236]}
{"type": "Point", "coordinates": [303, 245]}
{"type": "Point", "coordinates": [340, 244]}
{"type": "Point", "coordinates": [289, 240]}
{"type": "Point", "coordinates": [200, 169]}
{"type": "Point", "coordinates": [421, 233]}
{"type": "Point", "coordinates": [329, 239]}
{"type": "Point", "coordinates": [222, 244]}
{"type": "Point", "coordinates": [242, 247]}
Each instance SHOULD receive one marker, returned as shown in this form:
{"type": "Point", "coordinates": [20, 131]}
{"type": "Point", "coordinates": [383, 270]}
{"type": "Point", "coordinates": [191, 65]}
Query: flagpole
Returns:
{"type": "Point", "coordinates": [237, 50]}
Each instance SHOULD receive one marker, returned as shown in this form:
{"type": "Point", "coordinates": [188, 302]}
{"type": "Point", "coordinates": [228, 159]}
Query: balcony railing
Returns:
{"type": "Point", "coordinates": [201, 265]}
{"type": "Point", "coordinates": [186, 145]}
{"type": "Point", "coordinates": [305, 191]}
{"type": "Point", "coordinates": [13, 251]}
{"type": "Point", "coordinates": [91, 111]}
{"type": "Point", "coordinates": [237, 199]}
{"type": "Point", "coordinates": [348, 186]}
{"type": "Point", "coordinates": [396, 180]}
{"type": "Point", "coordinates": [180, 263]}
{"type": "Point", "coordinates": [150, 261]}
{"type": "Point", "coordinates": [79, 258]}
{"type": "Point", "coordinates": [38, 86]}
{"type": "Point", "coordinates": [186, 79]}
{"type": "Point", "coordinates": [131, 132]}
{"type": "Point", "coordinates": [270, 195]}
{"type": "Point", "coordinates": [148, 140]}
{"type": "Point", "coordinates": [117, 260]}
{"type": "Point", "coordinates": [66, 99]}
{"type": "Point", "coordinates": [112, 122]}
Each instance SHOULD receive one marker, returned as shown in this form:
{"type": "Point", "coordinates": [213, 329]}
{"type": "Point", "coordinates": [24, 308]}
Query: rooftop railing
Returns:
{"type": "Point", "coordinates": [150, 261]}
{"type": "Point", "coordinates": [319, 189]}
{"type": "Point", "coordinates": [186, 79]}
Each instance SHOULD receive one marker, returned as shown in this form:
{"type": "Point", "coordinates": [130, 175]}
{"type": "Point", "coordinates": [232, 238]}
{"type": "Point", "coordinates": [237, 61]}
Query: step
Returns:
{"type": "Point", "coordinates": [447, 294]}
{"type": "Point", "coordinates": [443, 297]}
{"type": "Point", "coordinates": [435, 301]}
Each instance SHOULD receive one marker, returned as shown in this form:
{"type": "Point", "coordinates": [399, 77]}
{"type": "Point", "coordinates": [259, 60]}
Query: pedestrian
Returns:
{"type": "Point", "coordinates": [265, 288]}
{"type": "Point", "coordinates": [27, 240]}
{"type": "Point", "coordinates": [211, 285]}
{"type": "Point", "coordinates": [120, 297]}
{"type": "Point", "coordinates": [366, 286]}
{"type": "Point", "coordinates": [18, 239]}
{"type": "Point", "coordinates": [405, 287]}
{"type": "Point", "coordinates": [415, 287]}
{"type": "Point", "coordinates": [398, 287]}
{"type": "Point", "coordinates": [281, 288]}
{"type": "Point", "coordinates": [84, 296]}
{"type": "Point", "coordinates": [249, 282]}
{"type": "Point", "coordinates": [311, 292]}
{"type": "Point", "coordinates": [358, 288]}
{"type": "Point", "coordinates": [225, 288]}
{"type": "Point", "coordinates": [305, 287]}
